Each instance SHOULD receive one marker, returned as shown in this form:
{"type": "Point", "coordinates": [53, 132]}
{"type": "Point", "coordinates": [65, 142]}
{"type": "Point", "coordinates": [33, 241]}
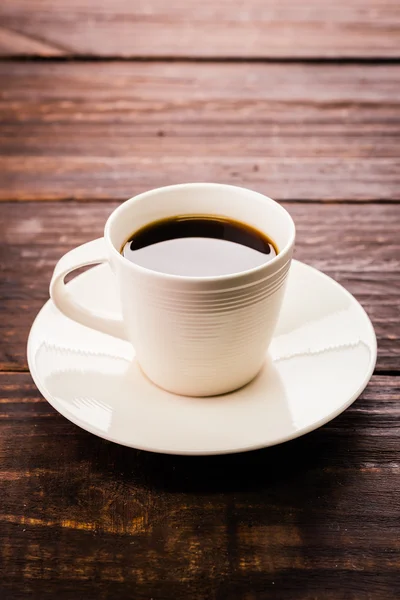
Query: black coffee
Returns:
{"type": "Point", "coordinates": [198, 246]}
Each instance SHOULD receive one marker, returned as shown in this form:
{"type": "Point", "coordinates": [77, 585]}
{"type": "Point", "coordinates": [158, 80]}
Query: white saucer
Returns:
{"type": "Point", "coordinates": [321, 358]}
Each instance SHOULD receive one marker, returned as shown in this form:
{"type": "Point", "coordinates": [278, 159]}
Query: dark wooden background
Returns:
{"type": "Point", "coordinates": [101, 100]}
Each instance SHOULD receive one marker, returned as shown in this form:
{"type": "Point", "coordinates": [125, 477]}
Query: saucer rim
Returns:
{"type": "Point", "coordinates": [235, 450]}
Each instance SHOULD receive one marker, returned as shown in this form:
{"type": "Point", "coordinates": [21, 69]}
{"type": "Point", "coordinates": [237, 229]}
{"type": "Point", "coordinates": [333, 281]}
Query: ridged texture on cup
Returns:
{"type": "Point", "coordinates": [204, 342]}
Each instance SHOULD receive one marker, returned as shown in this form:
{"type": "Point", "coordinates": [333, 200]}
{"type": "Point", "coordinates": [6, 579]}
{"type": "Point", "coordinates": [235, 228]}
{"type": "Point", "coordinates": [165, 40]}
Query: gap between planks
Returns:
{"type": "Point", "coordinates": [70, 58]}
{"type": "Point", "coordinates": [307, 201]}
{"type": "Point", "coordinates": [377, 372]}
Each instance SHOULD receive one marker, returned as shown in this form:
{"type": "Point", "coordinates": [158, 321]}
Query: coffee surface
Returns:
{"type": "Point", "coordinates": [198, 246]}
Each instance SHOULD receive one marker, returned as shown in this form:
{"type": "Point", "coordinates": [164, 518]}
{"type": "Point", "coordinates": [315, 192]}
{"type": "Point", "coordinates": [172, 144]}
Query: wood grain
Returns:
{"type": "Point", "coordinates": [314, 518]}
{"type": "Point", "coordinates": [105, 131]}
{"type": "Point", "coordinates": [357, 245]}
{"type": "Point", "coordinates": [228, 28]}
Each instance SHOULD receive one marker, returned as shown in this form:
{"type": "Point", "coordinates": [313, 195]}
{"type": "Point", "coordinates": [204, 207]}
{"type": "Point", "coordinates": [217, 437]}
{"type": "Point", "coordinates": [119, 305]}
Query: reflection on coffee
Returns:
{"type": "Point", "coordinates": [199, 246]}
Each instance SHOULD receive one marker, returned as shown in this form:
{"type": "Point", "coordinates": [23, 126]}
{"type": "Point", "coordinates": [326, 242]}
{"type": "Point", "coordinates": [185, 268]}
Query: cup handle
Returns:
{"type": "Point", "coordinates": [88, 254]}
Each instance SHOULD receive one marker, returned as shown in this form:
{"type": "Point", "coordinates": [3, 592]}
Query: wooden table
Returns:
{"type": "Point", "coordinates": [102, 100]}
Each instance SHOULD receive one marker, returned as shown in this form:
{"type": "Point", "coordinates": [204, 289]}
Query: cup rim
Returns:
{"type": "Point", "coordinates": [192, 278]}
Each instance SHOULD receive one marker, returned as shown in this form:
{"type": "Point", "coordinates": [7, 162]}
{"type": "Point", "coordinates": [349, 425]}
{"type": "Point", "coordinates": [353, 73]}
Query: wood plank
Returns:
{"type": "Point", "coordinates": [228, 28]}
{"type": "Point", "coordinates": [109, 130]}
{"type": "Point", "coordinates": [357, 245]}
{"type": "Point", "coordinates": [84, 518]}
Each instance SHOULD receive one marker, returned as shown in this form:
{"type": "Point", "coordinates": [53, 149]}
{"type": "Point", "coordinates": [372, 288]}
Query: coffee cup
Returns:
{"type": "Point", "coordinates": [195, 336]}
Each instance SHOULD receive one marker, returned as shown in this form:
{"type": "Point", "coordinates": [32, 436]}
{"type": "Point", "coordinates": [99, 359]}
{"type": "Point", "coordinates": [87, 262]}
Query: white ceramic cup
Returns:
{"type": "Point", "coordinates": [196, 336]}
